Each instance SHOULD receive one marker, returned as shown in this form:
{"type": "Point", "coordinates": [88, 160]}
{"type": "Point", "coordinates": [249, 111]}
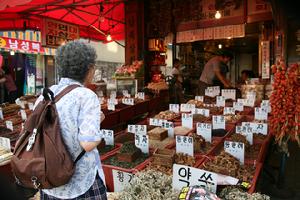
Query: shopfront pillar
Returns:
{"type": "Point", "coordinates": [134, 30]}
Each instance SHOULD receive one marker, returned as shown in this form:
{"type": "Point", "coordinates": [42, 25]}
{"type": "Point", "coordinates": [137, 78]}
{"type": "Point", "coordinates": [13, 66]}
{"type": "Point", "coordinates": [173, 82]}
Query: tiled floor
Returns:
{"type": "Point", "coordinates": [292, 175]}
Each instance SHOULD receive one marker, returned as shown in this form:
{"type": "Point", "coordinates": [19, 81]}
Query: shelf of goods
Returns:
{"type": "Point", "coordinates": [207, 155]}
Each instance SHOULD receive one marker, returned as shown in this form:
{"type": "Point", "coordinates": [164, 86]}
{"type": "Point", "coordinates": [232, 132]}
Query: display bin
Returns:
{"type": "Point", "coordinates": [127, 114]}
{"type": "Point", "coordinates": [114, 150]}
{"type": "Point", "coordinates": [111, 119]}
{"type": "Point", "coordinates": [141, 108]}
{"type": "Point", "coordinates": [107, 169]}
{"type": "Point", "coordinates": [256, 173]}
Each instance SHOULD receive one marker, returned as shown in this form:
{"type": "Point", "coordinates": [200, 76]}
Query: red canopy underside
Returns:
{"type": "Point", "coordinates": [107, 16]}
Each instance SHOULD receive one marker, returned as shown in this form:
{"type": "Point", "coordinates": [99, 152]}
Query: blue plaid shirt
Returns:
{"type": "Point", "coordinates": [79, 116]}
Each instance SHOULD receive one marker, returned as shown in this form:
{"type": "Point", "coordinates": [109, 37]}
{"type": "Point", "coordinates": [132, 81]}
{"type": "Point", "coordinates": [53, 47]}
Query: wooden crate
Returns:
{"type": "Point", "coordinates": [164, 157]}
{"type": "Point", "coordinates": [158, 134]}
{"type": "Point", "coordinates": [129, 157]}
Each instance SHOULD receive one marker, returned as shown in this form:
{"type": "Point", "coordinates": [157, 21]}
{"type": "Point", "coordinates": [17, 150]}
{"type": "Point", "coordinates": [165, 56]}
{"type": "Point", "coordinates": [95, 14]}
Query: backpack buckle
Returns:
{"type": "Point", "coordinates": [35, 182]}
{"type": "Point", "coordinates": [31, 140]}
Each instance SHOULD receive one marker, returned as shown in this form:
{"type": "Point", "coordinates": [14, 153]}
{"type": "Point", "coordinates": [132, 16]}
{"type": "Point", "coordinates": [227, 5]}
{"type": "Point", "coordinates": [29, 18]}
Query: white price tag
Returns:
{"type": "Point", "coordinates": [199, 98]}
{"type": "Point", "coordinates": [261, 113]}
{"type": "Point", "coordinates": [108, 136]}
{"type": "Point", "coordinates": [9, 125]}
{"type": "Point", "coordinates": [111, 106]}
{"type": "Point", "coordinates": [1, 114]}
{"type": "Point", "coordinates": [205, 131]}
{"type": "Point", "coordinates": [228, 111]}
{"type": "Point", "coordinates": [128, 101]}
{"type": "Point", "coordinates": [229, 93]}
{"type": "Point", "coordinates": [30, 106]}
{"type": "Point", "coordinates": [174, 108]}
{"type": "Point", "coordinates": [185, 144]}
{"type": "Point", "coordinates": [23, 115]}
{"type": "Point", "coordinates": [137, 129]}
{"type": "Point", "coordinates": [218, 122]}
{"type": "Point", "coordinates": [220, 101]}
{"type": "Point", "coordinates": [142, 142]}
{"type": "Point", "coordinates": [248, 133]}
{"type": "Point", "coordinates": [187, 107]}
{"type": "Point", "coordinates": [238, 129]}
{"type": "Point", "coordinates": [113, 95]}
{"type": "Point", "coordinates": [236, 149]}
{"type": "Point", "coordinates": [187, 120]}
{"type": "Point", "coordinates": [156, 122]}
{"type": "Point", "coordinates": [238, 106]}
{"type": "Point", "coordinates": [266, 104]}
{"type": "Point", "coordinates": [125, 93]}
{"type": "Point", "coordinates": [170, 127]}
{"type": "Point", "coordinates": [261, 128]}
{"type": "Point", "coordinates": [5, 143]}
{"type": "Point", "coordinates": [112, 101]}
{"type": "Point", "coordinates": [121, 180]}
{"type": "Point", "coordinates": [140, 95]}
{"type": "Point", "coordinates": [200, 111]}
{"type": "Point", "coordinates": [184, 176]}
{"type": "Point", "coordinates": [249, 102]}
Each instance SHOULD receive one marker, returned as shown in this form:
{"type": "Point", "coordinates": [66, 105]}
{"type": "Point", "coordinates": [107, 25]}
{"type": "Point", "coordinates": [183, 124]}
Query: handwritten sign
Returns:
{"type": "Point", "coordinates": [236, 149]}
{"type": "Point", "coordinates": [229, 93]}
{"type": "Point", "coordinates": [205, 130]}
{"type": "Point", "coordinates": [137, 129]}
{"type": "Point", "coordinates": [142, 142]}
{"type": "Point", "coordinates": [261, 113]}
{"type": "Point", "coordinates": [108, 136]}
{"type": "Point", "coordinates": [9, 125]}
{"type": "Point", "coordinates": [128, 101]}
{"type": "Point", "coordinates": [174, 108]}
{"type": "Point", "coordinates": [121, 180]}
{"type": "Point", "coordinates": [112, 101]}
{"type": "Point", "coordinates": [156, 122]}
{"type": "Point", "coordinates": [248, 133]}
{"type": "Point", "coordinates": [184, 176]}
{"type": "Point", "coordinates": [212, 91]}
{"type": "Point", "coordinates": [199, 98]}
{"type": "Point", "coordinates": [228, 111]}
{"type": "Point", "coordinates": [238, 106]}
{"type": "Point", "coordinates": [187, 120]}
{"type": "Point", "coordinates": [200, 111]}
{"type": "Point", "coordinates": [220, 101]}
{"type": "Point", "coordinates": [170, 127]}
{"type": "Point", "coordinates": [187, 107]}
{"type": "Point", "coordinates": [218, 122]}
{"type": "Point", "coordinates": [261, 128]}
{"type": "Point", "coordinates": [140, 95]}
{"type": "Point", "coordinates": [5, 143]}
{"type": "Point", "coordinates": [185, 144]}
{"type": "Point", "coordinates": [266, 104]}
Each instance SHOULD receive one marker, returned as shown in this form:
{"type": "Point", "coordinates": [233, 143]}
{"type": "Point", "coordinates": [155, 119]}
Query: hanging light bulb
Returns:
{"type": "Point", "coordinates": [108, 37]}
{"type": "Point", "coordinates": [12, 53]}
{"type": "Point", "coordinates": [218, 15]}
{"type": "Point", "coordinates": [220, 46]}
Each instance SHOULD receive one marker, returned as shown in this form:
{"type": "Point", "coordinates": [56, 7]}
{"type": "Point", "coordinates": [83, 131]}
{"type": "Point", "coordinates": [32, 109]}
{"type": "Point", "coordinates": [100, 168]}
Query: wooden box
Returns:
{"type": "Point", "coordinates": [129, 157]}
{"type": "Point", "coordinates": [164, 157]}
{"type": "Point", "coordinates": [158, 134]}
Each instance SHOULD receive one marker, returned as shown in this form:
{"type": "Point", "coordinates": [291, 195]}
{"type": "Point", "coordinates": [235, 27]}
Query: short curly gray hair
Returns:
{"type": "Point", "coordinates": [74, 59]}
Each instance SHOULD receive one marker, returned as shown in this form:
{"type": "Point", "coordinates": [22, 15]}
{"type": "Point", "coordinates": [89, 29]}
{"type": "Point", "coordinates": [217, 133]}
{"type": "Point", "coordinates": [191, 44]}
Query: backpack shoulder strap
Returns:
{"type": "Point", "coordinates": [65, 91]}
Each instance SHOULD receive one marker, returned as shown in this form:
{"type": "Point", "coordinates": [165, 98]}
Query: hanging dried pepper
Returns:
{"type": "Point", "coordinates": [285, 103]}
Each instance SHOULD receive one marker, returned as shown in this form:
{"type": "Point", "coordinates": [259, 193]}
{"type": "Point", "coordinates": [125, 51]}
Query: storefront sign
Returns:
{"type": "Point", "coordinates": [265, 59]}
{"type": "Point", "coordinates": [184, 176]}
{"type": "Point", "coordinates": [21, 45]}
{"type": "Point", "coordinates": [55, 33]}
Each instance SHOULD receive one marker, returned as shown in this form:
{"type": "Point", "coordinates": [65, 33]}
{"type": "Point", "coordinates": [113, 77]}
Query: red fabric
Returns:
{"type": "Point", "coordinates": [13, 17]}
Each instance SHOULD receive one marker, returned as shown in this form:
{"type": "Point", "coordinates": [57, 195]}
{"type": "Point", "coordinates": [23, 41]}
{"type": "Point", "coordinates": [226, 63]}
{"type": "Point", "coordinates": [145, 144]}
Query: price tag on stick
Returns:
{"type": "Point", "coordinates": [174, 108]}
{"type": "Point", "coordinates": [187, 120]}
{"type": "Point", "coordinates": [170, 127]}
{"type": "Point", "coordinates": [108, 136]}
{"type": "Point", "coordinates": [236, 149]}
{"type": "Point", "coordinates": [229, 93]}
{"type": "Point", "coordinates": [185, 144]}
{"type": "Point", "coordinates": [121, 180]}
{"type": "Point", "coordinates": [220, 101]}
{"type": "Point", "coordinates": [247, 132]}
{"type": "Point", "coordinates": [238, 106]}
{"type": "Point", "coordinates": [137, 129]}
{"type": "Point", "coordinates": [218, 122]}
{"type": "Point", "coordinates": [142, 142]}
{"type": "Point", "coordinates": [228, 111]}
{"type": "Point", "coordinates": [205, 131]}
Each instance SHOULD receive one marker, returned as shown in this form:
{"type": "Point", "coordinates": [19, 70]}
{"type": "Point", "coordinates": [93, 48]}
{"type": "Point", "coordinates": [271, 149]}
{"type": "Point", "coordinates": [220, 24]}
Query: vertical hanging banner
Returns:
{"type": "Point", "coordinates": [265, 59]}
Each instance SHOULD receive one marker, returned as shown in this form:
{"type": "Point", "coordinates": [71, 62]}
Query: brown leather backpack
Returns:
{"type": "Point", "coordinates": [41, 160]}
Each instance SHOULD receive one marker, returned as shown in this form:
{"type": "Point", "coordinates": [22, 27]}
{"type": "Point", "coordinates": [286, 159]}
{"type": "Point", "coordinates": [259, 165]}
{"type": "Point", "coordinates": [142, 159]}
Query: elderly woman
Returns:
{"type": "Point", "coordinates": [79, 116]}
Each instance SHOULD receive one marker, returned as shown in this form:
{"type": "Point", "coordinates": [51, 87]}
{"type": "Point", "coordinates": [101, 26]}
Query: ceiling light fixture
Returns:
{"type": "Point", "coordinates": [220, 46]}
{"type": "Point", "coordinates": [108, 37]}
{"type": "Point", "coordinates": [218, 15]}
{"type": "Point", "coordinates": [12, 53]}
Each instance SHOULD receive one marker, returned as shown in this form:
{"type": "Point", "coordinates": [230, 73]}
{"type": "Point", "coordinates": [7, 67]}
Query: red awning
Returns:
{"type": "Point", "coordinates": [106, 16]}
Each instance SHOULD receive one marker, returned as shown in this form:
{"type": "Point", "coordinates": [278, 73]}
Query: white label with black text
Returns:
{"type": "Point", "coordinates": [174, 108]}
{"type": "Point", "coordinates": [121, 180]}
{"type": "Point", "coordinates": [142, 142]}
{"type": "Point", "coordinates": [229, 93]}
{"type": "Point", "coordinates": [228, 111]}
{"type": "Point", "coordinates": [205, 130]}
{"type": "Point", "coordinates": [220, 101]}
{"type": "Point", "coordinates": [185, 144]}
{"type": "Point", "coordinates": [187, 120]}
{"type": "Point", "coordinates": [137, 129]}
{"type": "Point", "coordinates": [187, 107]}
{"type": "Point", "coordinates": [5, 143]}
{"type": "Point", "coordinates": [218, 122]}
{"type": "Point", "coordinates": [199, 98]}
{"type": "Point", "coordinates": [236, 149]}
{"type": "Point", "coordinates": [9, 125]}
{"type": "Point", "coordinates": [170, 127]}
{"type": "Point", "coordinates": [128, 101]}
{"type": "Point", "coordinates": [238, 106]}
{"type": "Point", "coordinates": [108, 136]}
{"type": "Point", "coordinates": [201, 111]}
{"type": "Point", "coordinates": [261, 113]}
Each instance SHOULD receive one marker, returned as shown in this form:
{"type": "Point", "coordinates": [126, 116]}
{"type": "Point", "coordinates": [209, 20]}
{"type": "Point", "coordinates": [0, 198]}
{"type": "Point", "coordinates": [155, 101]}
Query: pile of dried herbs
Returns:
{"type": "Point", "coordinates": [233, 193]}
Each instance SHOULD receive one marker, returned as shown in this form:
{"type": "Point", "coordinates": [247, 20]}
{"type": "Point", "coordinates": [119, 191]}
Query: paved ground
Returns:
{"type": "Point", "coordinates": [269, 176]}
